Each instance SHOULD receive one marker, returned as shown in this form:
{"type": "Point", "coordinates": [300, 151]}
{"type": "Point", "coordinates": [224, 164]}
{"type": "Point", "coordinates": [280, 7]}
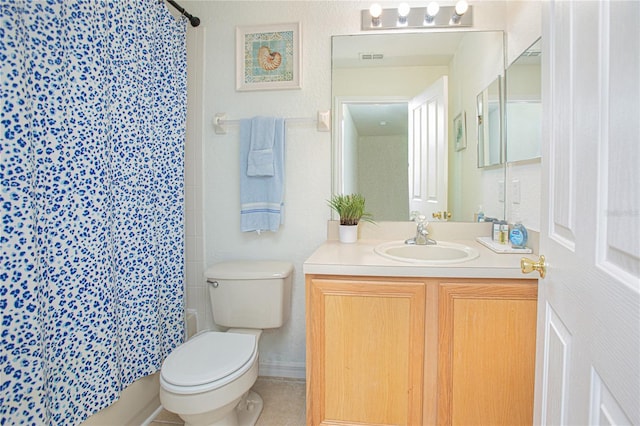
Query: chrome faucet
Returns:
{"type": "Point", "coordinates": [422, 235]}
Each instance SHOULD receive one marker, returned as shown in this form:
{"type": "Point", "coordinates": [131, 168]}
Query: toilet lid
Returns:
{"type": "Point", "coordinates": [208, 357]}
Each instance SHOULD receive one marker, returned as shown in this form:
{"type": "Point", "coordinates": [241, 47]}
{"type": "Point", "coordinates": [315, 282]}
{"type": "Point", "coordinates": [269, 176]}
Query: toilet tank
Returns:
{"type": "Point", "coordinates": [250, 294]}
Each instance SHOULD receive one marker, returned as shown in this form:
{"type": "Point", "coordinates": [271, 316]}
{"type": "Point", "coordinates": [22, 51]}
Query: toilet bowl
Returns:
{"type": "Point", "coordinates": [207, 379]}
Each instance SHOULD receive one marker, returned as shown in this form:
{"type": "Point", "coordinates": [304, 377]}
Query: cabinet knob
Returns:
{"type": "Point", "coordinates": [527, 266]}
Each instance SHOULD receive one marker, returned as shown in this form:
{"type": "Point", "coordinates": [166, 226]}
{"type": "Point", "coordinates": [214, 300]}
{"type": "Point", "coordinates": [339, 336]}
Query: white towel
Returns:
{"type": "Point", "coordinates": [263, 133]}
{"type": "Point", "coordinates": [262, 197]}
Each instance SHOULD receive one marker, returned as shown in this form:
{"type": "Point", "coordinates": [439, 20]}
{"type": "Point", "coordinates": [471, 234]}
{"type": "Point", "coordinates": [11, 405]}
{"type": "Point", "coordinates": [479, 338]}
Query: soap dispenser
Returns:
{"type": "Point", "coordinates": [518, 235]}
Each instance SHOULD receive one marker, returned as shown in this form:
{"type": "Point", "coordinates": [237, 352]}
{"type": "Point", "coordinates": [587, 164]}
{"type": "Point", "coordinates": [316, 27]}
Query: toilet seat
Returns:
{"type": "Point", "coordinates": [208, 361]}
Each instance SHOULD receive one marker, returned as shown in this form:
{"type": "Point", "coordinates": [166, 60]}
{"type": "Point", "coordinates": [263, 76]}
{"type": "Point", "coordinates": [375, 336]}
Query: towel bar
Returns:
{"type": "Point", "coordinates": [323, 121]}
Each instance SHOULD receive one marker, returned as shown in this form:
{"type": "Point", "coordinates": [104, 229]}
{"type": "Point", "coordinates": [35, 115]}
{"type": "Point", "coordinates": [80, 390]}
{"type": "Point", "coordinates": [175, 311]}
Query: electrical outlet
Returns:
{"type": "Point", "coordinates": [515, 191]}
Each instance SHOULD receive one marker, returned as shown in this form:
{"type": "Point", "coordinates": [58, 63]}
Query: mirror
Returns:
{"type": "Point", "coordinates": [489, 119]}
{"type": "Point", "coordinates": [523, 106]}
{"type": "Point", "coordinates": [380, 83]}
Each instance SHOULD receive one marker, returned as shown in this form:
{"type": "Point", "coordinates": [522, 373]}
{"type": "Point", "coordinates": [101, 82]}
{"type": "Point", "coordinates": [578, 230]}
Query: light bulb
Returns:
{"type": "Point", "coordinates": [433, 8]}
{"type": "Point", "coordinates": [403, 10]}
{"type": "Point", "coordinates": [461, 7]}
{"type": "Point", "coordinates": [375, 10]}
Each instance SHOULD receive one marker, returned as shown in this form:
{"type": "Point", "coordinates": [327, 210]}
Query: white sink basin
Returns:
{"type": "Point", "coordinates": [442, 253]}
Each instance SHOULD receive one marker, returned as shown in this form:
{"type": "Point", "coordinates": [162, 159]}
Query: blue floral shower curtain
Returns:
{"type": "Point", "coordinates": [93, 109]}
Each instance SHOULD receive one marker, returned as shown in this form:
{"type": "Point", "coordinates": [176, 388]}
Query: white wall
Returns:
{"type": "Point", "coordinates": [308, 171]}
{"type": "Point", "coordinates": [523, 26]}
{"type": "Point", "coordinates": [212, 192]}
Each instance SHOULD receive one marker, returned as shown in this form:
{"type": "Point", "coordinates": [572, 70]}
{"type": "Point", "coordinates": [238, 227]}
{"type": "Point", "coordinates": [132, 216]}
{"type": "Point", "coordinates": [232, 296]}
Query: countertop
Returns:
{"type": "Point", "coordinates": [335, 258]}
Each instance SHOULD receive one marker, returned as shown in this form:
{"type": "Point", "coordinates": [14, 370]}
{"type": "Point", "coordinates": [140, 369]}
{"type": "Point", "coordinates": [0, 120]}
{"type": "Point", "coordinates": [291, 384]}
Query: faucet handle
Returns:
{"type": "Point", "coordinates": [417, 217]}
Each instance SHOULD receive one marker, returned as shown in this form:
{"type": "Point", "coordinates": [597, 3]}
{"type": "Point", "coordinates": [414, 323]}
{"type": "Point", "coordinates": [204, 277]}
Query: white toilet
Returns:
{"type": "Point", "coordinates": [207, 380]}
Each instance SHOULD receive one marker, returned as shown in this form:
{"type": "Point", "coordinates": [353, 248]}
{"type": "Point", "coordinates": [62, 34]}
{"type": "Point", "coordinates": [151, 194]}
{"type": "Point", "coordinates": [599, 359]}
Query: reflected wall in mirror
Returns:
{"type": "Point", "coordinates": [489, 112]}
{"type": "Point", "coordinates": [523, 113]}
{"type": "Point", "coordinates": [434, 77]}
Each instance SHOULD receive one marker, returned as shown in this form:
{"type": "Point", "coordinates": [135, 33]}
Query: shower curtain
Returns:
{"type": "Point", "coordinates": [93, 110]}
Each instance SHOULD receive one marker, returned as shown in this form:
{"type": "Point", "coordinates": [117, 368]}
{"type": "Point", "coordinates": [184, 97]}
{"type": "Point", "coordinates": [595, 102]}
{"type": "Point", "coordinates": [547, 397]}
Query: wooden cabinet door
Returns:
{"type": "Point", "coordinates": [365, 351]}
{"type": "Point", "coordinates": [486, 353]}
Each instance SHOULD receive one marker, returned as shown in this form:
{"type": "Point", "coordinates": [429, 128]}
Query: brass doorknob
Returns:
{"type": "Point", "coordinates": [528, 265]}
{"type": "Point", "coordinates": [440, 215]}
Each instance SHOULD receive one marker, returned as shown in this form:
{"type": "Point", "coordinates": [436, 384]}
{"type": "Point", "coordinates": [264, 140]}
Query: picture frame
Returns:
{"type": "Point", "coordinates": [268, 57]}
{"type": "Point", "coordinates": [460, 131]}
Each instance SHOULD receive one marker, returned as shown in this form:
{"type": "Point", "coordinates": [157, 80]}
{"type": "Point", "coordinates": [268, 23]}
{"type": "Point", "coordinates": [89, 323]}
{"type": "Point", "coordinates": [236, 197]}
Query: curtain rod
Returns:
{"type": "Point", "coordinates": [195, 21]}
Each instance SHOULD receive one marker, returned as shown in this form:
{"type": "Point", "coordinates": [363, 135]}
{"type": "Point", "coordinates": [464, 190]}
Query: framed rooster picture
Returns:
{"type": "Point", "coordinates": [268, 57]}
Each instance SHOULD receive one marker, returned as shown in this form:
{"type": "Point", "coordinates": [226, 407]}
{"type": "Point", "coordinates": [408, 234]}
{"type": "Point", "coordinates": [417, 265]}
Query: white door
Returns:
{"type": "Point", "coordinates": [428, 150]}
{"type": "Point", "coordinates": [588, 348]}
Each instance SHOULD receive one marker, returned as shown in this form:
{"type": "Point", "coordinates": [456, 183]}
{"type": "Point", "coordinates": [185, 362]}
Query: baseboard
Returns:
{"type": "Point", "coordinates": [290, 370]}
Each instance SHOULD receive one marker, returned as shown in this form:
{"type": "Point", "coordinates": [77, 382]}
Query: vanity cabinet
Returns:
{"type": "Point", "coordinates": [365, 350]}
{"type": "Point", "coordinates": [486, 352]}
{"type": "Point", "coordinates": [419, 351]}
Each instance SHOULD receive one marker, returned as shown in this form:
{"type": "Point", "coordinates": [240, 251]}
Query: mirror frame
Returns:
{"type": "Point", "coordinates": [336, 156]}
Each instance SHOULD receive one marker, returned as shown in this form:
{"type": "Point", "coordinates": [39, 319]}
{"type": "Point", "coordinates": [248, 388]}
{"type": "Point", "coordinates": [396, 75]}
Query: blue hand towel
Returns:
{"type": "Point", "coordinates": [263, 133]}
{"type": "Point", "coordinates": [262, 197]}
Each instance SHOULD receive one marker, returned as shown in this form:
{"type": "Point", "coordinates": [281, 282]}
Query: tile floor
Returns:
{"type": "Point", "coordinates": [284, 404]}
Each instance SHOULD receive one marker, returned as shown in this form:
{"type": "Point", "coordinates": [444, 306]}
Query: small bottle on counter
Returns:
{"type": "Point", "coordinates": [504, 232]}
{"type": "Point", "coordinates": [495, 236]}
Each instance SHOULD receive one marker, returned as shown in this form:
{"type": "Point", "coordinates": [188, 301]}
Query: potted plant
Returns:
{"type": "Point", "coordinates": [350, 208]}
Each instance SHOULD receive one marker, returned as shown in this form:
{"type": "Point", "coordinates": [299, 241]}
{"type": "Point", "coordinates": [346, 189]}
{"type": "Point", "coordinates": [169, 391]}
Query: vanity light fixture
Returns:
{"type": "Point", "coordinates": [431, 16]}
